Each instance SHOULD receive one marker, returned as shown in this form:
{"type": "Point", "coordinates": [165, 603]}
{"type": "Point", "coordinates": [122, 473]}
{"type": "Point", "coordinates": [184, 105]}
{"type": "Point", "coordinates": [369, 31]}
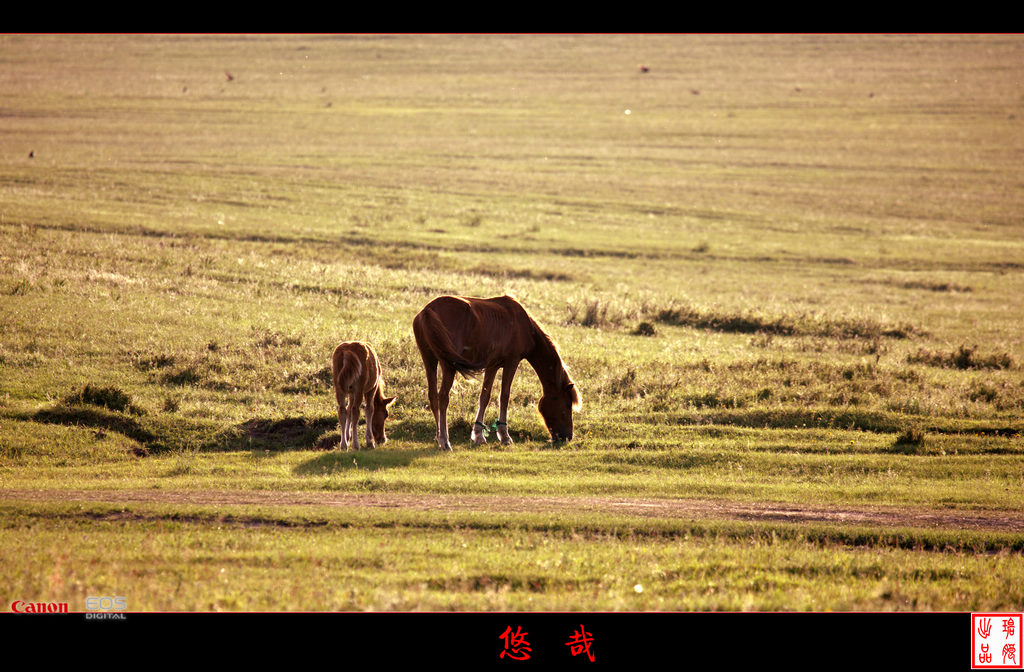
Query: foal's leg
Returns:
{"type": "Point", "coordinates": [479, 429]}
{"type": "Point", "coordinates": [342, 423]}
{"type": "Point", "coordinates": [507, 374]}
{"type": "Point", "coordinates": [447, 378]}
{"type": "Point", "coordinates": [353, 419]}
{"type": "Point", "coordinates": [370, 443]}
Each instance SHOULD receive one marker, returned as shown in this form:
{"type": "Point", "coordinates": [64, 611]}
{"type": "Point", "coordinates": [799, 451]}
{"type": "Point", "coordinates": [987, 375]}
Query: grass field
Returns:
{"type": "Point", "coordinates": [785, 271]}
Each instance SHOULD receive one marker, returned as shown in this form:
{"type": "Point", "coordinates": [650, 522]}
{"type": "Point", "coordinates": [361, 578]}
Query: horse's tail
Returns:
{"type": "Point", "coordinates": [347, 370]}
{"type": "Point", "coordinates": [432, 336]}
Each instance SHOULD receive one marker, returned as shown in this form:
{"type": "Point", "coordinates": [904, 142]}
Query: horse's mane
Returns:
{"type": "Point", "coordinates": [544, 339]}
{"type": "Point", "coordinates": [541, 337]}
{"type": "Point", "coordinates": [545, 342]}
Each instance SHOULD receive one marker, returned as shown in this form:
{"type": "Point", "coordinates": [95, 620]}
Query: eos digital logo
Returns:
{"type": "Point", "coordinates": [105, 608]}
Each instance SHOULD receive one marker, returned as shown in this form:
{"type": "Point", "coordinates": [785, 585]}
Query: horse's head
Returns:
{"type": "Point", "coordinates": [556, 407]}
{"type": "Point", "coordinates": [380, 414]}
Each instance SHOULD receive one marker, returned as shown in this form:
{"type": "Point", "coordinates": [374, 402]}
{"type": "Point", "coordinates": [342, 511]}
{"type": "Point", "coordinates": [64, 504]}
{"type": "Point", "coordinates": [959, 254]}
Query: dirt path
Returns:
{"type": "Point", "coordinates": [687, 509]}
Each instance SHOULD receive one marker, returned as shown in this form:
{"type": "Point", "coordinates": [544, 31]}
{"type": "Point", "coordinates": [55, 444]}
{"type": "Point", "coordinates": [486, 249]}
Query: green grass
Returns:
{"type": "Point", "coordinates": [198, 559]}
{"type": "Point", "coordinates": [798, 466]}
{"type": "Point", "coordinates": [789, 274]}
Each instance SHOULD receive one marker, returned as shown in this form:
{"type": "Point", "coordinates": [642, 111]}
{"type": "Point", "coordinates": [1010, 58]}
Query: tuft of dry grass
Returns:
{"type": "Point", "coordinates": [786, 325]}
{"type": "Point", "coordinates": [109, 397]}
{"type": "Point", "coordinates": [964, 357]}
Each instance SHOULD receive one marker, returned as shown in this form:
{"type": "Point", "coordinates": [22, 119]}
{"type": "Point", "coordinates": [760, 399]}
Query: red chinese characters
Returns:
{"type": "Point", "coordinates": [997, 641]}
{"type": "Point", "coordinates": [580, 643]}
{"type": "Point", "coordinates": [516, 646]}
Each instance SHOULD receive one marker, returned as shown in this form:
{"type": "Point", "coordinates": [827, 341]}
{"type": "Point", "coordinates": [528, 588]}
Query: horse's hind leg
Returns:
{"type": "Point", "coordinates": [443, 395]}
{"type": "Point", "coordinates": [479, 429]}
{"type": "Point", "coordinates": [430, 365]}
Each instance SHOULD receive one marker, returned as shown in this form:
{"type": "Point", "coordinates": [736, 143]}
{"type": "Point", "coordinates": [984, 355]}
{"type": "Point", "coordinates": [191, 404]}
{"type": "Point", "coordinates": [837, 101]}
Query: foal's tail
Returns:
{"type": "Point", "coordinates": [346, 371]}
{"type": "Point", "coordinates": [432, 336]}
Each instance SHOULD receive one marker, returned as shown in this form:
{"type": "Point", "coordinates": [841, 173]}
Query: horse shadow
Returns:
{"type": "Point", "coordinates": [461, 429]}
{"type": "Point", "coordinates": [363, 460]}
{"type": "Point", "coordinates": [377, 459]}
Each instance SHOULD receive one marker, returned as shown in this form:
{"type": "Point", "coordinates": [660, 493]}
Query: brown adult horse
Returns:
{"type": "Point", "coordinates": [356, 376]}
{"type": "Point", "coordinates": [468, 336]}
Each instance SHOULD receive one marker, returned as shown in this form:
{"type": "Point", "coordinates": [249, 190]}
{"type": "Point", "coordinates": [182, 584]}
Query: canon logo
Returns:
{"type": "Point", "coordinates": [21, 607]}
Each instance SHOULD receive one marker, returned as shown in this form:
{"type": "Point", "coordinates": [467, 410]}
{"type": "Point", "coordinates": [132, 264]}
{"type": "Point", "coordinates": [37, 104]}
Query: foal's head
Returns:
{"type": "Point", "coordinates": [556, 407]}
{"type": "Point", "coordinates": [380, 414]}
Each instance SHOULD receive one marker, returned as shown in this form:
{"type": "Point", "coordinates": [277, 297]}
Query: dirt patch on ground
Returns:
{"type": "Point", "coordinates": [684, 509]}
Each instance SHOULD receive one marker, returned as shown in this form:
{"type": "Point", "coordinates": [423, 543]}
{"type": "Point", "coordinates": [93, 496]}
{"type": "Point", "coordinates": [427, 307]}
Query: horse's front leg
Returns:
{"type": "Point", "coordinates": [479, 428]}
{"type": "Point", "coordinates": [507, 374]}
